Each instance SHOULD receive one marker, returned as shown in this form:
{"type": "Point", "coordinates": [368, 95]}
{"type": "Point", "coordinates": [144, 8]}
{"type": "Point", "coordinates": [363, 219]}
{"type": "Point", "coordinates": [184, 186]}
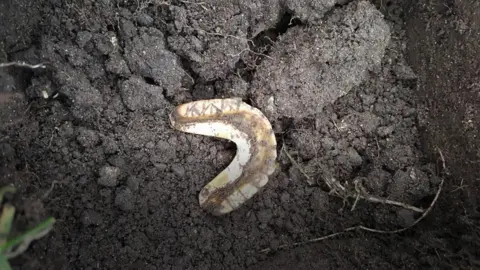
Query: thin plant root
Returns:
{"type": "Point", "coordinates": [339, 190]}
{"type": "Point", "coordinates": [22, 64]}
{"type": "Point", "coordinates": [364, 228]}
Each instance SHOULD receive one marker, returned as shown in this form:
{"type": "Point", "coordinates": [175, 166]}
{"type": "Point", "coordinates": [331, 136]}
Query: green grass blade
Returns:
{"type": "Point", "coordinates": [24, 240]}
{"type": "Point", "coordinates": [6, 220]}
{"type": "Point", "coordinates": [4, 264]}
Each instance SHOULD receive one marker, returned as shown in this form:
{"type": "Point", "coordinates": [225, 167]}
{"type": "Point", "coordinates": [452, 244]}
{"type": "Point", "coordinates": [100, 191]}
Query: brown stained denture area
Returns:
{"type": "Point", "coordinates": [210, 108]}
{"type": "Point", "coordinates": [249, 121]}
{"type": "Point", "coordinates": [219, 195]}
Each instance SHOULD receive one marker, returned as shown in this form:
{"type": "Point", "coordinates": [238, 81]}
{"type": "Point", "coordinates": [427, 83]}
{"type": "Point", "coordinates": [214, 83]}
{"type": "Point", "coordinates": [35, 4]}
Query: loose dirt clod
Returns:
{"type": "Point", "coordinates": [309, 61]}
{"type": "Point", "coordinates": [109, 176]}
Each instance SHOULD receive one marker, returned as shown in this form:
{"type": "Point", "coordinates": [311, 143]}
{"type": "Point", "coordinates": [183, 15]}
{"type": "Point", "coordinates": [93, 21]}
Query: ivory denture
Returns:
{"type": "Point", "coordinates": [252, 133]}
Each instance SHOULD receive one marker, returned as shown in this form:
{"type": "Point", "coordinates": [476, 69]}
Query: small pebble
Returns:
{"type": "Point", "coordinates": [144, 20]}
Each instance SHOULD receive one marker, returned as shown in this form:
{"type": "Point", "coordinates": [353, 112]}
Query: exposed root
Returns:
{"type": "Point", "coordinates": [361, 193]}
{"type": "Point", "coordinates": [444, 166]}
{"type": "Point", "coordinates": [22, 64]}
{"type": "Point", "coordinates": [336, 188]}
{"type": "Point", "coordinates": [364, 228]}
{"type": "Point", "coordinates": [335, 185]}
{"type": "Point", "coordinates": [339, 190]}
{"type": "Point", "coordinates": [394, 203]}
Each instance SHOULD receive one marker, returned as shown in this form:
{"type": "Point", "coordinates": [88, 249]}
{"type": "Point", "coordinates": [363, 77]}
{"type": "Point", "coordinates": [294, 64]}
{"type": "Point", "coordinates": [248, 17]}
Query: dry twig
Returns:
{"type": "Point", "coordinates": [22, 64]}
{"type": "Point", "coordinates": [360, 193]}
{"type": "Point", "coordinates": [364, 228]}
{"type": "Point", "coordinates": [339, 190]}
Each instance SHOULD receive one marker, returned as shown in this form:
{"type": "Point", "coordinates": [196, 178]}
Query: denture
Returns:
{"type": "Point", "coordinates": [250, 130]}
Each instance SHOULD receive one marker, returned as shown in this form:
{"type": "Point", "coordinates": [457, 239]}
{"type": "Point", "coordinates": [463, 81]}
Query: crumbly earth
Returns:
{"type": "Point", "coordinates": [100, 156]}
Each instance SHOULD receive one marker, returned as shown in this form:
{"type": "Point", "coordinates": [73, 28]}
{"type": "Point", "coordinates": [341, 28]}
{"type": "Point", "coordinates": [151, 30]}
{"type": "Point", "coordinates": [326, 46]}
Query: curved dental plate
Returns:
{"type": "Point", "coordinates": [252, 133]}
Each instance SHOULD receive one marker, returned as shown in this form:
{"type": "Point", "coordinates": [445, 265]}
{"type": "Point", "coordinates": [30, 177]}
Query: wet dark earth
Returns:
{"type": "Point", "coordinates": [359, 94]}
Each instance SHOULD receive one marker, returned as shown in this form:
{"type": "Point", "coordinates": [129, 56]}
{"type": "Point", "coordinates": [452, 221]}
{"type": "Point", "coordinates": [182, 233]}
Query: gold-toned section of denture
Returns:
{"type": "Point", "coordinates": [252, 133]}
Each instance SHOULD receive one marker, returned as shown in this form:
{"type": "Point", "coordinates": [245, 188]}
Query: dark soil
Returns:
{"type": "Point", "coordinates": [99, 154]}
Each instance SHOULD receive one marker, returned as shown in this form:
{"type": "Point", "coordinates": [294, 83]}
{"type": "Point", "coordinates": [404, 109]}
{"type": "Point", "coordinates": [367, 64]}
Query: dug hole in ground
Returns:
{"type": "Point", "coordinates": [374, 104]}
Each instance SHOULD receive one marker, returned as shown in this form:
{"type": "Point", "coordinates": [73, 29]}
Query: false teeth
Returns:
{"type": "Point", "coordinates": [254, 161]}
